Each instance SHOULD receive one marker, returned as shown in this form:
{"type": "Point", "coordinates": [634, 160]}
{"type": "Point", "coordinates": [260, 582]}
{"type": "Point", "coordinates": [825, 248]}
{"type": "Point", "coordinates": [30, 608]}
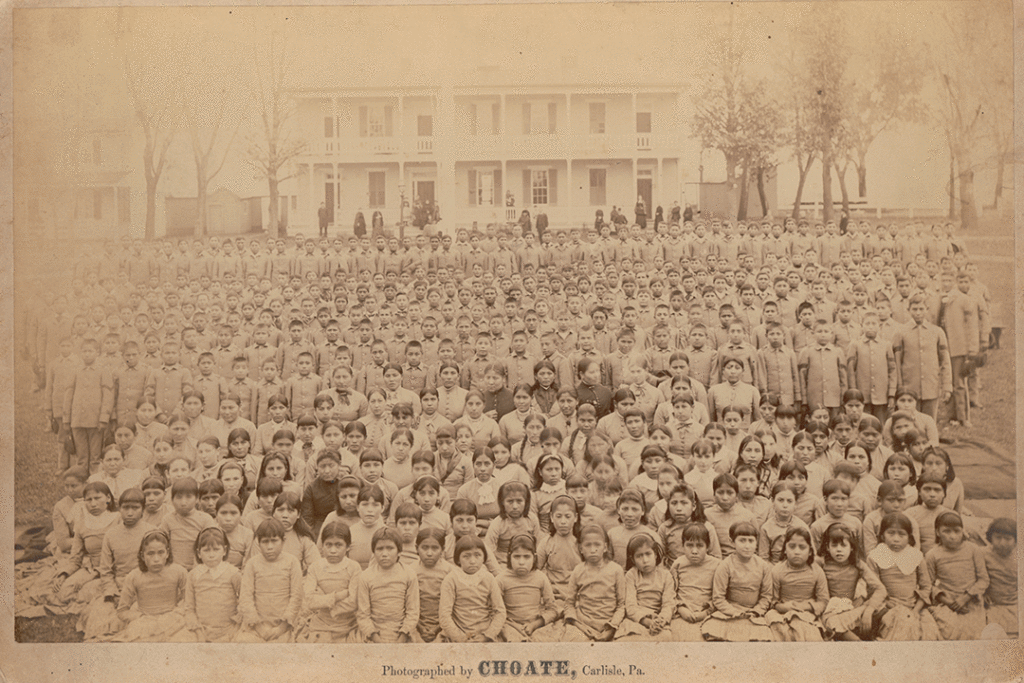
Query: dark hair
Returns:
{"type": "Point", "coordinates": [336, 529]}
{"type": "Point", "coordinates": [948, 518]}
{"type": "Point", "coordinates": [270, 457]}
{"type": "Point", "coordinates": [207, 533]}
{"type": "Point", "coordinates": [132, 495]}
{"type": "Point", "coordinates": [409, 511]}
{"type": "Point", "coordinates": [228, 499]}
{"type": "Point", "coordinates": [508, 488]}
{"type": "Point", "coordinates": [520, 542]}
{"type": "Point", "coordinates": [468, 542]}
{"type": "Point", "coordinates": [803, 533]}
{"type": "Point", "coordinates": [1001, 525]}
{"type": "Point", "coordinates": [742, 529]}
{"type": "Point", "coordinates": [637, 543]}
{"type": "Point", "coordinates": [897, 520]}
{"type": "Point", "coordinates": [565, 498]}
{"type": "Point", "coordinates": [931, 479]}
{"type": "Point", "coordinates": [157, 535]}
{"type": "Point", "coordinates": [837, 531]}
{"type": "Point", "coordinates": [634, 495]}
{"type": "Point", "coordinates": [184, 487]}
{"type": "Point", "coordinates": [696, 531]}
{"type": "Point", "coordinates": [294, 501]}
{"type": "Point", "coordinates": [430, 532]}
{"type": "Point", "coordinates": [725, 479]}
{"type": "Point", "coordinates": [898, 458]}
{"type": "Point", "coordinates": [543, 460]}
{"type": "Point", "coordinates": [386, 534]}
{"type": "Point", "coordinates": [939, 453]}
{"type": "Point", "coordinates": [269, 487]}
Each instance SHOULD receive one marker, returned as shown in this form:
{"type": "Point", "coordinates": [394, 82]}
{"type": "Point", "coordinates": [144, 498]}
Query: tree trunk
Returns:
{"type": "Point", "coordinates": [200, 230]}
{"type": "Point", "coordinates": [968, 208]}
{"type": "Point", "coordinates": [273, 226]}
{"type": "Point", "coordinates": [827, 210]}
{"type": "Point", "coordinates": [1000, 167]}
{"type": "Point", "coordinates": [841, 173]}
{"type": "Point", "coordinates": [741, 213]}
{"type": "Point", "coordinates": [804, 171]}
{"type": "Point", "coordinates": [761, 192]}
{"type": "Point", "coordinates": [951, 188]}
{"type": "Point", "coordinates": [151, 183]}
{"type": "Point", "coordinates": [862, 174]}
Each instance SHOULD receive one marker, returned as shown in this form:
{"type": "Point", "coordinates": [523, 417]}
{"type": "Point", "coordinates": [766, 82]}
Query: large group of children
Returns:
{"type": "Point", "coordinates": [682, 432]}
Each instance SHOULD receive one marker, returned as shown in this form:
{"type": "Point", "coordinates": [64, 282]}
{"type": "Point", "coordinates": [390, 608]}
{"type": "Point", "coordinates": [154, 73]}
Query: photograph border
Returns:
{"type": "Point", "coordinates": [21, 663]}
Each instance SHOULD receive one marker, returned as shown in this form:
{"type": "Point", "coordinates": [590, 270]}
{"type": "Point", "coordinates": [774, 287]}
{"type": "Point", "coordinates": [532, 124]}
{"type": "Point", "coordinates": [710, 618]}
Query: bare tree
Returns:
{"type": "Point", "coordinates": [796, 130]}
{"type": "Point", "coordinates": [273, 146]}
{"type": "Point", "coordinates": [211, 107]}
{"type": "Point", "coordinates": [151, 93]}
{"type": "Point", "coordinates": [974, 71]}
{"type": "Point", "coordinates": [885, 91]}
{"type": "Point", "coordinates": [825, 86]}
{"type": "Point", "coordinates": [735, 115]}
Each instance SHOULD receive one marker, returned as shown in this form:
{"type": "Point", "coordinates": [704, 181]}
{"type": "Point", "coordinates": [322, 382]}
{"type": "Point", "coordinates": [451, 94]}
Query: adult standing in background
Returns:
{"type": "Point", "coordinates": [541, 225]}
{"type": "Point", "coordinates": [641, 212]}
{"type": "Point", "coordinates": [359, 227]}
{"type": "Point", "coordinates": [321, 215]}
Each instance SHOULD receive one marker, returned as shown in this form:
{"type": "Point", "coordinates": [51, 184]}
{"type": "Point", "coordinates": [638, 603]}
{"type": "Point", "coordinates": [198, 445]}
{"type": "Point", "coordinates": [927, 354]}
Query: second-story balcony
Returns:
{"type": "Point", "coordinates": [538, 146]}
{"type": "Point", "coordinates": [372, 146]}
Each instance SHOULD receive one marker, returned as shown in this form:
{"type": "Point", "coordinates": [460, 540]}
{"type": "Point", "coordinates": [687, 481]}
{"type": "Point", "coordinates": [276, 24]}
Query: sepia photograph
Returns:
{"type": "Point", "coordinates": [597, 340]}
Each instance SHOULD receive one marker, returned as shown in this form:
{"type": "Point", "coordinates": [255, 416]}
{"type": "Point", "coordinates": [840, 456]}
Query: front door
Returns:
{"type": "Point", "coordinates": [329, 200]}
{"type": "Point", "coordinates": [425, 190]}
{"type": "Point", "coordinates": [643, 189]}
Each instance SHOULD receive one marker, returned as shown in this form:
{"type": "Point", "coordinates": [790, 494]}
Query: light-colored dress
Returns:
{"type": "Point", "coordinates": [329, 603]}
{"type": "Point", "coordinates": [152, 606]}
{"type": "Point", "coordinates": [597, 598]}
{"type": "Point", "coordinates": [653, 595]}
{"type": "Point", "coordinates": [906, 580]}
{"type": "Point", "coordinates": [270, 593]}
{"type": "Point", "coordinates": [211, 601]}
{"type": "Point", "coordinates": [1001, 596]}
{"type": "Point", "coordinates": [740, 594]}
{"type": "Point", "coordinates": [808, 587]}
{"type": "Point", "coordinates": [694, 585]}
{"type": "Point", "coordinates": [525, 599]}
{"type": "Point", "coordinates": [471, 604]}
{"type": "Point", "coordinates": [955, 574]}
{"type": "Point", "coordinates": [848, 586]}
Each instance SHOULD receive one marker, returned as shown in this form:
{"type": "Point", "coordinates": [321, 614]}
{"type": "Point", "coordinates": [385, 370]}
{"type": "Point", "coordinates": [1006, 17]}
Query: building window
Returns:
{"type": "Point", "coordinates": [539, 185]}
{"type": "Point", "coordinates": [643, 122]}
{"type": "Point", "coordinates": [97, 204]}
{"type": "Point", "coordinates": [540, 119]}
{"type": "Point", "coordinates": [375, 121]}
{"type": "Point", "coordinates": [97, 151]}
{"type": "Point", "coordinates": [328, 126]}
{"type": "Point", "coordinates": [598, 179]}
{"type": "Point", "coordinates": [485, 189]}
{"type": "Point", "coordinates": [425, 125]}
{"type": "Point", "coordinates": [377, 196]}
{"type": "Point", "coordinates": [596, 121]}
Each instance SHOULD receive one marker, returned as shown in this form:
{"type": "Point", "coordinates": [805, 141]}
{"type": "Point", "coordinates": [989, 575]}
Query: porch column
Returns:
{"type": "Point", "coordinates": [311, 204]}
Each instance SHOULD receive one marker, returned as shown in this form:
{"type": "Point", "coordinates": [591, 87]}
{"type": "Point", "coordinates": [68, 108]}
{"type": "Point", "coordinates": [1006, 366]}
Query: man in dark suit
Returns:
{"type": "Point", "coordinates": [321, 214]}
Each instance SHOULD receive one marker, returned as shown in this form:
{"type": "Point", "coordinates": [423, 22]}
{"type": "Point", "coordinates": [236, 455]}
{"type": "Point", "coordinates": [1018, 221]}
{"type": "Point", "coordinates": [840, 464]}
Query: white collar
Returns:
{"type": "Point", "coordinates": [907, 560]}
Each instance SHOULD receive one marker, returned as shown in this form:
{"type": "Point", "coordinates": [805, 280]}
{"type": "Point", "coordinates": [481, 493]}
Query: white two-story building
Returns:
{"type": "Point", "coordinates": [566, 149]}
